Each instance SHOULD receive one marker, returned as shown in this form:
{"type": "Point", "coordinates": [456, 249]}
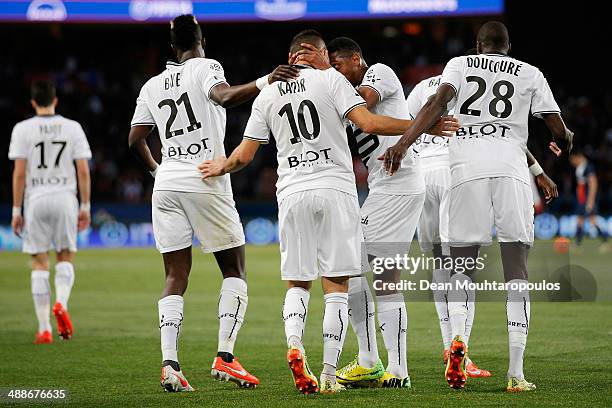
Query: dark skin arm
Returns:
{"type": "Point", "coordinates": [548, 187]}
{"type": "Point", "coordinates": [426, 118]}
{"type": "Point", "coordinates": [137, 141]}
{"type": "Point", "coordinates": [561, 134]}
{"type": "Point", "coordinates": [230, 96]}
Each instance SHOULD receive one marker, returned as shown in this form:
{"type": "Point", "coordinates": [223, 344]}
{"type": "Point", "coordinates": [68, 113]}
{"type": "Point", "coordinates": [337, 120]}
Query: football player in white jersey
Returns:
{"type": "Point", "coordinates": [433, 225]}
{"type": "Point", "coordinates": [46, 149]}
{"type": "Point", "coordinates": [320, 231]}
{"type": "Point", "coordinates": [186, 102]}
{"type": "Point", "coordinates": [389, 218]}
{"type": "Point", "coordinates": [492, 95]}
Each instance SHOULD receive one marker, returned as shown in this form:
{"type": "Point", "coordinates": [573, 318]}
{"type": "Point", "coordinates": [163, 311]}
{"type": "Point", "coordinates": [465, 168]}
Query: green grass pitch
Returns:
{"type": "Point", "coordinates": [113, 359]}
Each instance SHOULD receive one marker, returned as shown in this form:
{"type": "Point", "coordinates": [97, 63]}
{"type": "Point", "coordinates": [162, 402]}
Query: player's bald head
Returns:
{"type": "Point", "coordinates": [311, 37]}
{"type": "Point", "coordinates": [493, 35]}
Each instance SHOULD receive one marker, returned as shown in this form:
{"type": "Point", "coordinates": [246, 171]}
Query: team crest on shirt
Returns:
{"type": "Point", "coordinates": [371, 77]}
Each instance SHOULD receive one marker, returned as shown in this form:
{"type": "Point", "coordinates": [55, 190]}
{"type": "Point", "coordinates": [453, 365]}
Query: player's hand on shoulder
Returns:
{"type": "Point", "coordinates": [84, 220]}
{"type": "Point", "coordinates": [312, 56]}
{"type": "Point", "coordinates": [17, 224]}
{"type": "Point", "coordinates": [548, 187]}
{"type": "Point", "coordinates": [445, 126]}
{"type": "Point", "coordinates": [283, 73]}
{"type": "Point", "coordinates": [212, 168]}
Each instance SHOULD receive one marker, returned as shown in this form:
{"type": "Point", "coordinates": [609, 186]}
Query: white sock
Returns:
{"type": "Point", "coordinates": [458, 305]}
{"type": "Point", "coordinates": [335, 323]}
{"type": "Point", "coordinates": [41, 294]}
{"type": "Point", "coordinates": [233, 302]}
{"type": "Point", "coordinates": [469, 321]}
{"type": "Point", "coordinates": [442, 276]}
{"type": "Point", "coordinates": [363, 319]}
{"type": "Point", "coordinates": [393, 321]}
{"type": "Point", "coordinates": [518, 311]}
{"type": "Point", "coordinates": [64, 279]}
{"type": "Point", "coordinates": [295, 311]}
{"type": "Point", "coordinates": [170, 320]}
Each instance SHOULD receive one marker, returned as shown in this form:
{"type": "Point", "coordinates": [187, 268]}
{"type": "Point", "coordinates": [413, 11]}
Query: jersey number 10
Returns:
{"type": "Point", "coordinates": [193, 122]}
{"type": "Point", "coordinates": [303, 131]}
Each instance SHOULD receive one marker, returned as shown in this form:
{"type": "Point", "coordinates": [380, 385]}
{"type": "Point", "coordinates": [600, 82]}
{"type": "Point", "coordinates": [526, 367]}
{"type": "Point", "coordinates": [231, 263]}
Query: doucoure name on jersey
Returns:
{"type": "Point", "coordinates": [484, 63]}
{"type": "Point", "coordinates": [291, 87]}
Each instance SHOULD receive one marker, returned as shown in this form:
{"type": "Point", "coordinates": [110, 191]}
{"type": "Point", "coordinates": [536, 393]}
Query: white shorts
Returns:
{"type": "Point", "coordinates": [212, 218]}
{"type": "Point", "coordinates": [433, 224]}
{"type": "Point", "coordinates": [478, 205]}
{"type": "Point", "coordinates": [320, 235]}
{"type": "Point", "coordinates": [51, 223]}
{"type": "Point", "coordinates": [389, 223]}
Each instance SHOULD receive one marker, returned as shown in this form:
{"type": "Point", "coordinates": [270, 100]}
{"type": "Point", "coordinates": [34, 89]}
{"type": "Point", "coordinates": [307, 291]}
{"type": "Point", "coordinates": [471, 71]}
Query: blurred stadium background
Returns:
{"type": "Point", "coordinates": [101, 52]}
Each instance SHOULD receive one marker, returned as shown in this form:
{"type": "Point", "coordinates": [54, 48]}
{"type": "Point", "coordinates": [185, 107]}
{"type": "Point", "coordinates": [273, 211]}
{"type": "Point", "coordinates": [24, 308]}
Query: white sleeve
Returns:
{"type": "Point", "coordinates": [81, 146]}
{"type": "Point", "coordinates": [381, 79]}
{"type": "Point", "coordinates": [257, 127]}
{"type": "Point", "coordinates": [18, 148]}
{"type": "Point", "coordinates": [414, 101]}
{"type": "Point", "coordinates": [453, 74]}
{"type": "Point", "coordinates": [344, 96]}
{"type": "Point", "coordinates": [212, 75]}
{"type": "Point", "coordinates": [142, 114]}
{"type": "Point", "coordinates": [542, 99]}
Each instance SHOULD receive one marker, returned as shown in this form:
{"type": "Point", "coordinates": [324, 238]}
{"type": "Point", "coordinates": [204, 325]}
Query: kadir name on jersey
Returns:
{"type": "Point", "coordinates": [291, 87]}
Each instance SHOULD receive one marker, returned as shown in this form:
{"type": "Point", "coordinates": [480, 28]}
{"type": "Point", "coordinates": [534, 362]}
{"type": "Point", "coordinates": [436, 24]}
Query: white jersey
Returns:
{"type": "Point", "coordinates": [306, 117]}
{"type": "Point", "coordinates": [408, 179]}
{"type": "Point", "coordinates": [495, 94]}
{"type": "Point", "coordinates": [432, 150]}
{"type": "Point", "coordinates": [50, 145]}
{"type": "Point", "coordinates": [191, 126]}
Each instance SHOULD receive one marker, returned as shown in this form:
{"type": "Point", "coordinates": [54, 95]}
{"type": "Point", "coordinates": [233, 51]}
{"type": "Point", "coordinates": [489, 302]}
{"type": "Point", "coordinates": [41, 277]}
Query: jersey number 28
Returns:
{"type": "Point", "coordinates": [499, 97]}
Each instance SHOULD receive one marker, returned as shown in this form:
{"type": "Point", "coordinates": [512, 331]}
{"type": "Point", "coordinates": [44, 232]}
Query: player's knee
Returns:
{"type": "Point", "coordinates": [40, 262]}
{"type": "Point", "coordinates": [306, 285]}
{"type": "Point", "coordinates": [65, 256]}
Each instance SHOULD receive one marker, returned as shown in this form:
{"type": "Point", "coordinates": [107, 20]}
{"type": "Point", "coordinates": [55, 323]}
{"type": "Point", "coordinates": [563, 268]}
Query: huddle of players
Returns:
{"type": "Point", "coordinates": [306, 110]}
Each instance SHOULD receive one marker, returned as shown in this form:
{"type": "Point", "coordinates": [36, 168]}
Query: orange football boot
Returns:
{"type": "Point", "coordinates": [64, 324]}
{"type": "Point", "coordinates": [455, 374]}
{"type": "Point", "coordinates": [445, 356]}
{"type": "Point", "coordinates": [234, 372]}
{"type": "Point", "coordinates": [472, 371]}
{"type": "Point", "coordinates": [304, 380]}
{"type": "Point", "coordinates": [43, 337]}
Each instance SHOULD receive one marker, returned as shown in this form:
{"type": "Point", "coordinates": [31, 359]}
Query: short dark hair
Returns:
{"type": "Point", "coordinates": [312, 37]}
{"type": "Point", "coordinates": [185, 32]}
{"type": "Point", "coordinates": [43, 92]}
{"type": "Point", "coordinates": [494, 34]}
{"type": "Point", "coordinates": [344, 45]}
